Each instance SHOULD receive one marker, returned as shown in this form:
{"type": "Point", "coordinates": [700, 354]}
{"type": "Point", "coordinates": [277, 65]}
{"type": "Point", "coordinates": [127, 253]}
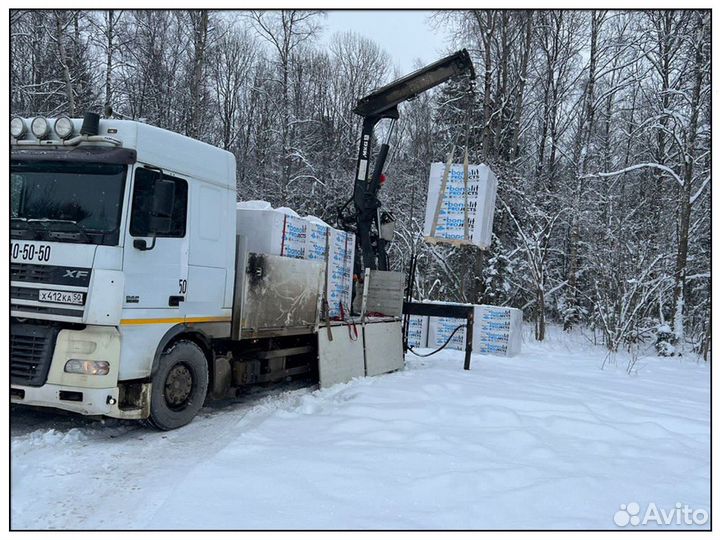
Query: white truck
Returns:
{"type": "Point", "coordinates": [133, 293]}
{"type": "Point", "coordinates": [134, 296]}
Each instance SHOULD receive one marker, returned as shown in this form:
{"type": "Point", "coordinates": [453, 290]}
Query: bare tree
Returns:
{"type": "Point", "coordinates": [598, 125]}
{"type": "Point", "coordinates": [62, 20]}
{"type": "Point", "coordinates": [286, 31]}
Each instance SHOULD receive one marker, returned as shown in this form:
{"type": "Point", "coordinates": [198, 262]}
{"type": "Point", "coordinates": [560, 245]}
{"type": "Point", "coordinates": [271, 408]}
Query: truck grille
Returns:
{"type": "Point", "coordinates": [78, 313]}
{"type": "Point", "coordinates": [22, 293]}
{"type": "Point", "coordinates": [31, 351]}
{"type": "Point", "coordinates": [25, 301]}
{"type": "Point", "coordinates": [31, 272]}
{"type": "Point", "coordinates": [56, 275]}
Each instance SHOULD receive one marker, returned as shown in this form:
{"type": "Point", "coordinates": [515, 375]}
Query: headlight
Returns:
{"type": "Point", "coordinates": [40, 127]}
{"type": "Point", "coordinates": [64, 127]}
{"type": "Point", "coordinates": [18, 127]}
{"type": "Point", "coordinates": [87, 367]}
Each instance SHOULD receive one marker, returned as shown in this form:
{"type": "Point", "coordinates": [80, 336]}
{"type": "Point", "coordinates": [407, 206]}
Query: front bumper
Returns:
{"type": "Point", "coordinates": [90, 401]}
{"type": "Point", "coordinates": [87, 401]}
{"type": "Point", "coordinates": [82, 393]}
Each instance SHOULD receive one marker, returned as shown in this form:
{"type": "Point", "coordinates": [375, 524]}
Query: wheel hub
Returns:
{"type": "Point", "coordinates": [178, 386]}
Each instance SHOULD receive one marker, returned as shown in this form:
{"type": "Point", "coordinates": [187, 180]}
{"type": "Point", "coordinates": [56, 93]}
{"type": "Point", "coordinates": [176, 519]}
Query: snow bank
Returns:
{"type": "Point", "coordinates": [287, 211]}
{"type": "Point", "coordinates": [542, 440]}
{"type": "Point", "coordinates": [254, 205]}
{"type": "Point", "coordinates": [316, 220]}
{"type": "Point", "coordinates": [52, 437]}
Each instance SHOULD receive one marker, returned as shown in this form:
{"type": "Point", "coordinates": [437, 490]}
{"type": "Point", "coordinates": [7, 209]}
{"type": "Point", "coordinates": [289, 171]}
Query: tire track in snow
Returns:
{"type": "Point", "coordinates": [129, 463]}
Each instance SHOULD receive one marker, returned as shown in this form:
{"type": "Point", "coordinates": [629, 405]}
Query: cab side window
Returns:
{"type": "Point", "coordinates": [142, 203]}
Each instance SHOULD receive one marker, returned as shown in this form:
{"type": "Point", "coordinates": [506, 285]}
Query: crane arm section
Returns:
{"type": "Point", "coordinates": [383, 103]}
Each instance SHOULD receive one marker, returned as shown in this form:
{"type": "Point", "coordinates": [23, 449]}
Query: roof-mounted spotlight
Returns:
{"type": "Point", "coordinates": [64, 127]}
{"type": "Point", "coordinates": [40, 127]}
{"type": "Point", "coordinates": [18, 127]}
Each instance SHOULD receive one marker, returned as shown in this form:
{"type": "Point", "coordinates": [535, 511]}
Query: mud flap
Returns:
{"type": "Point", "coordinates": [141, 402]}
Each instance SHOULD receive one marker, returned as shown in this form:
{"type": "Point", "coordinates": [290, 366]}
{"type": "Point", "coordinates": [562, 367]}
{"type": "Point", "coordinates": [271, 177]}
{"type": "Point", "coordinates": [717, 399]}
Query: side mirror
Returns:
{"type": "Point", "coordinates": [159, 216]}
{"type": "Point", "coordinates": [160, 219]}
{"type": "Point", "coordinates": [163, 199]}
{"type": "Point", "coordinates": [160, 224]}
{"type": "Point", "coordinates": [142, 245]}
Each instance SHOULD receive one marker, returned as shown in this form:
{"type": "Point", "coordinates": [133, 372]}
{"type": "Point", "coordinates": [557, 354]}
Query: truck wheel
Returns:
{"type": "Point", "coordinates": [179, 386]}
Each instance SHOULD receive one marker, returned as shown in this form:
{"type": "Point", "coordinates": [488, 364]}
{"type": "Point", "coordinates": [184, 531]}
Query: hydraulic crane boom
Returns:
{"type": "Point", "coordinates": [414, 84]}
{"type": "Point", "coordinates": [382, 103]}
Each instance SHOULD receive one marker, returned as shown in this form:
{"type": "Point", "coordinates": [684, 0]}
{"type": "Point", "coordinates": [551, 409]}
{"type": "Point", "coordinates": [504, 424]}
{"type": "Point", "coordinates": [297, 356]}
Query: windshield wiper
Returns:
{"type": "Point", "coordinates": [78, 229]}
{"type": "Point", "coordinates": [20, 227]}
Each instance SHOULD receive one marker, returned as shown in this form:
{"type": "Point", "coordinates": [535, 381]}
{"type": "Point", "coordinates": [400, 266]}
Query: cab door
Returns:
{"type": "Point", "coordinates": [156, 254]}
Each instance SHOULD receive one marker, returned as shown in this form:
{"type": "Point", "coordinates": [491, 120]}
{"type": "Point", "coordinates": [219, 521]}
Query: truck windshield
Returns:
{"type": "Point", "coordinates": [64, 201]}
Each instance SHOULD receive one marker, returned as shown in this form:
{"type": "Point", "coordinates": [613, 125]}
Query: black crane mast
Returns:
{"type": "Point", "coordinates": [383, 103]}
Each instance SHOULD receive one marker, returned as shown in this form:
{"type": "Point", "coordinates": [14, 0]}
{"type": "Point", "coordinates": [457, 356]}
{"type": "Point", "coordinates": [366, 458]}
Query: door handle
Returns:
{"type": "Point", "coordinates": [174, 301]}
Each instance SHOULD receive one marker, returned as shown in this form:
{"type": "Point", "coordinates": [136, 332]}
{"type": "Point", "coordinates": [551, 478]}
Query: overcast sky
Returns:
{"type": "Point", "coordinates": [405, 34]}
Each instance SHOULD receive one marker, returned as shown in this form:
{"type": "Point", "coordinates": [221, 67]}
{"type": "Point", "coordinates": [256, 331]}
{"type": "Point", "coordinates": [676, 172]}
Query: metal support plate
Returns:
{"type": "Point", "coordinates": [281, 293]}
{"type": "Point", "coordinates": [383, 292]}
{"type": "Point", "coordinates": [341, 359]}
{"type": "Point", "coordinates": [383, 347]}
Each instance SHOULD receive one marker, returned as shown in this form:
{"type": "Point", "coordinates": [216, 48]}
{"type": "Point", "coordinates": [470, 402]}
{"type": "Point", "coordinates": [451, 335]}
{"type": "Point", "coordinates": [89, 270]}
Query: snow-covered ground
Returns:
{"type": "Point", "coordinates": [542, 440]}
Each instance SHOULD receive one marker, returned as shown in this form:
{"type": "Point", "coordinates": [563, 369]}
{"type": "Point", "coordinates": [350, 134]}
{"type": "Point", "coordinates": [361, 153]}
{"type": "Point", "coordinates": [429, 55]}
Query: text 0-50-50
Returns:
{"type": "Point", "coordinates": [29, 252]}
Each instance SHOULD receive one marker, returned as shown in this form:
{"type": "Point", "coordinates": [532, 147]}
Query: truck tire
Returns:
{"type": "Point", "coordinates": [179, 386]}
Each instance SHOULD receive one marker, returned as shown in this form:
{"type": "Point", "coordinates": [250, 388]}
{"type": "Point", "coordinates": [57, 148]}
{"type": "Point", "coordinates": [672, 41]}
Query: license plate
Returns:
{"type": "Point", "coordinates": [61, 297]}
